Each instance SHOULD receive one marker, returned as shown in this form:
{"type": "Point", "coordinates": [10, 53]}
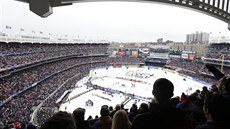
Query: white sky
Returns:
{"type": "Point", "coordinates": [115, 21]}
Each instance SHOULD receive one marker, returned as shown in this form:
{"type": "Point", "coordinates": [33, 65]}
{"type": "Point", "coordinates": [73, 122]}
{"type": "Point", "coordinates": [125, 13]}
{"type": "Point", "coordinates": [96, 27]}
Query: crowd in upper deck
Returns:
{"type": "Point", "coordinates": [17, 54]}
{"type": "Point", "coordinates": [216, 51]}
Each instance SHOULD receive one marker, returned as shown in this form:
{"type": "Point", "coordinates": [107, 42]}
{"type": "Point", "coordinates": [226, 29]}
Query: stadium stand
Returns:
{"type": "Point", "coordinates": [20, 54]}
{"type": "Point", "coordinates": [33, 76]}
{"type": "Point", "coordinates": [215, 51]}
{"type": "Point", "coordinates": [24, 85]}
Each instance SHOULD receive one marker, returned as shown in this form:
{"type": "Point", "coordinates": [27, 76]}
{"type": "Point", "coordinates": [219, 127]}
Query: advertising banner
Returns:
{"type": "Point", "coordinates": [134, 53]}
{"type": "Point", "coordinates": [143, 51]}
{"type": "Point", "coordinates": [121, 52]}
{"type": "Point", "coordinates": [127, 52]}
{"type": "Point", "coordinates": [184, 56]}
{"type": "Point", "coordinates": [191, 56]}
{"type": "Point", "coordinates": [174, 55]}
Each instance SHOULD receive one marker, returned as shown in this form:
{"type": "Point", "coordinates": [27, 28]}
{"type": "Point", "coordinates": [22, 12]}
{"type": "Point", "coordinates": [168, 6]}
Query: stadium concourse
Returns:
{"type": "Point", "coordinates": [37, 79]}
{"type": "Point", "coordinates": [124, 85]}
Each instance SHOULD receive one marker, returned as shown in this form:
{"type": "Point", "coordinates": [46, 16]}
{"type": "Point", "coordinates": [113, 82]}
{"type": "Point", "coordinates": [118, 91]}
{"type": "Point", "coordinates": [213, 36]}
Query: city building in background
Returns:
{"type": "Point", "coordinates": [198, 37]}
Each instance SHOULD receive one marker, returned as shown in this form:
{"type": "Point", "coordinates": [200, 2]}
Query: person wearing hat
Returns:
{"type": "Point", "coordinates": [17, 125]}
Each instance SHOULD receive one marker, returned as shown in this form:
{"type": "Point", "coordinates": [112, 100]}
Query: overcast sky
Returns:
{"type": "Point", "coordinates": [115, 21]}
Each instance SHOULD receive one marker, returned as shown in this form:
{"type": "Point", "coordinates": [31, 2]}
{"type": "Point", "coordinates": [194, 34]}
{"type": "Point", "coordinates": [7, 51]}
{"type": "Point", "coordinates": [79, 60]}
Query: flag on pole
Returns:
{"type": "Point", "coordinates": [50, 34]}
{"type": "Point", "coordinates": [21, 29]}
{"type": "Point", "coordinates": [8, 27]}
{"type": "Point", "coordinates": [41, 32]}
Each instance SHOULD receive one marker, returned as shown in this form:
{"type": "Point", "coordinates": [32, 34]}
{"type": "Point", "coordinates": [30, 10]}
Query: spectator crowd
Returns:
{"type": "Point", "coordinates": [18, 54]}
{"type": "Point", "coordinates": [205, 109]}
{"type": "Point", "coordinates": [194, 68]}
{"type": "Point", "coordinates": [43, 84]}
{"type": "Point", "coordinates": [215, 51]}
{"type": "Point", "coordinates": [23, 90]}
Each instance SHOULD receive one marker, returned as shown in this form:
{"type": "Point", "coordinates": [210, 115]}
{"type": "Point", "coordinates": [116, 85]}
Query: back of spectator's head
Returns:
{"type": "Point", "coordinates": [121, 120]}
{"type": "Point", "coordinates": [214, 89]}
{"type": "Point", "coordinates": [60, 120]}
{"type": "Point", "coordinates": [183, 97]}
{"type": "Point", "coordinates": [224, 85]}
{"type": "Point", "coordinates": [117, 107]}
{"type": "Point", "coordinates": [144, 107]}
{"type": "Point", "coordinates": [110, 108]}
{"type": "Point", "coordinates": [162, 90]}
{"type": "Point", "coordinates": [90, 118]}
{"type": "Point", "coordinates": [217, 106]}
{"type": "Point", "coordinates": [175, 100]}
{"type": "Point", "coordinates": [201, 96]}
{"type": "Point", "coordinates": [104, 111]}
{"type": "Point", "coordinates": [104, 106]}
{"type": "Point", "coordinates": [204, 88]}
{"type": "Point", "coordinates": [122, 106]}
{"type": "Point", "coordinates": [79, 115]}
{"type": "Point", "coordinates": [134, 108]}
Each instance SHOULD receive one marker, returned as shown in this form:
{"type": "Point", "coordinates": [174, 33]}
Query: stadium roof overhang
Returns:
{"type": "Point", "coordinates": [216, 8]}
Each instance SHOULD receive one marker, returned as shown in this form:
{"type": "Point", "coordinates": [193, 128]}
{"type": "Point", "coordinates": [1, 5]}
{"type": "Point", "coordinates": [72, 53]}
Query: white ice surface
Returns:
{"type": "Point", "coordinates": [107, 78]}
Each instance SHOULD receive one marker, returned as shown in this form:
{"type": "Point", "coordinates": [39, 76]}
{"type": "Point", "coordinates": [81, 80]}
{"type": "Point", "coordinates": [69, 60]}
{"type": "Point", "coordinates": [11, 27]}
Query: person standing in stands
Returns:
{"type": "Point", "coordinates": [105, 121]}
{"type": "Point", "coordinates": [117, 107]}
{"type": "Point", "coordinates": [216, 110]}
{"type": "Point", "coordinates": [121, 120]}
{"type": "Point", "coordinates": [162, 115]}
{"type": "Point", "coordinates": [79, 117]}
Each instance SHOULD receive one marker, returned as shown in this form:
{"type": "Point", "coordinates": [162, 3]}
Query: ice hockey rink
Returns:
{"type": "Point", "coordinates": [134, 81]}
